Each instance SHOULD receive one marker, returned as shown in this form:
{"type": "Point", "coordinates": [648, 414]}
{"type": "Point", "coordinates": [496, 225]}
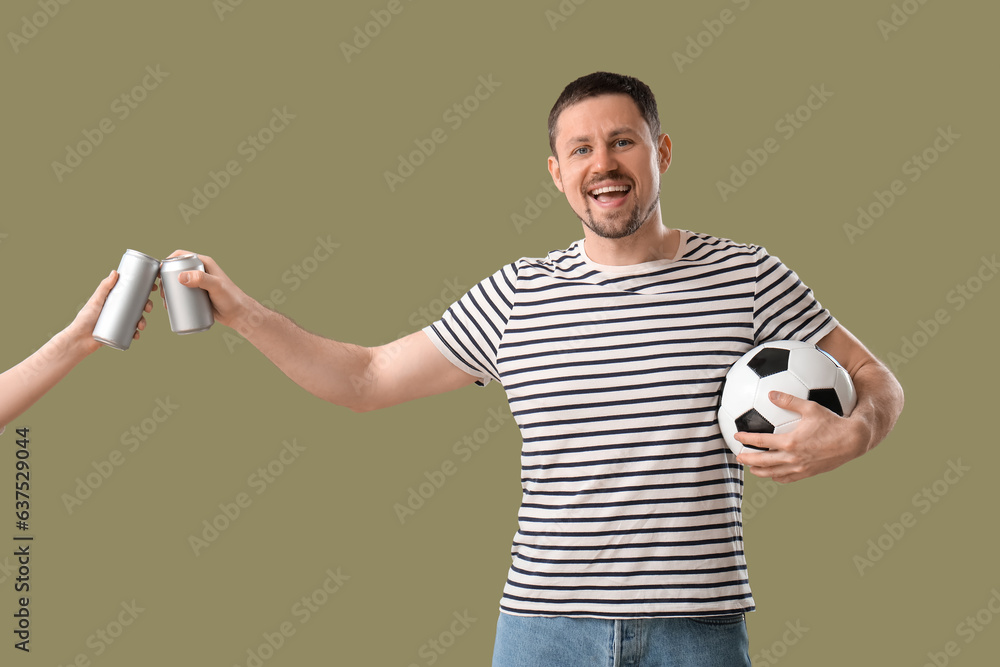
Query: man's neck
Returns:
{"type": "Point", "coordinates": [651, 242]}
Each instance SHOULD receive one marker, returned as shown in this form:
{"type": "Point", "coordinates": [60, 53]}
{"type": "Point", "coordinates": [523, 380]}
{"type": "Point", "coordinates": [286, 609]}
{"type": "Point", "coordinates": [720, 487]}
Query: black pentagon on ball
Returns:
{"type": "Point", "coordinates": [752, 421]}
{"type": "Point", "coordinates": [768, 361]}
{"type": "Point", "coordinates": [828, 399]}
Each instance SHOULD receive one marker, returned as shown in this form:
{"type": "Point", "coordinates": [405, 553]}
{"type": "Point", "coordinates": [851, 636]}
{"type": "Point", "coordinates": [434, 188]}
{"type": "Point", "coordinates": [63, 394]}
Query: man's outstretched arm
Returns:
{"type": "Point", "coordinates": [357, 377]}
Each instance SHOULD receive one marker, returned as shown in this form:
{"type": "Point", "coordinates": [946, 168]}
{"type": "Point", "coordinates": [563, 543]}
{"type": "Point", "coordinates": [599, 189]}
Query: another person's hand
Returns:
{"type": "Point", "coordinates": [229, 303]}
{"type": "Point", "coordinates": [28, 381]}
{"type": "Point", "coordinates": [81, 329]}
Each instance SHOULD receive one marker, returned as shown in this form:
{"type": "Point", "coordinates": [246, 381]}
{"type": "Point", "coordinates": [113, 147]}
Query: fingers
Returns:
{"type": "Point", "coordinates": [814, 445]}
{"type": "Point", "coordinates": [110, 280]}
{"type": "Point", "coordinates": [92, 308]}
{"type": "Point", "coordinates": [771, 441]}
{"type": "Point", "coordinates": [104, 288]}
{"type": "Point", "coordinates": [211, 279]}
{"type": "Point", "coordinates": [197, 279]}
{"type": "Point", "coordinates": [774, 464]}
{"type": "Point", "coordinates": [228, 301]}
{"type": "Point", "coordinates": [206, 279]}
{"type": "Point", "coordinates": [761, 459]}
{"type": "Point", "coordinates": [789, 402]}
{"type": "Point", "coordinates": [210, 264]}
{"type": "Point", "coordinates": [212, 267]}
{"type": "Point", "coordinates": [100, 295]}
{"type": "Point", "coordinates": [759, 441]}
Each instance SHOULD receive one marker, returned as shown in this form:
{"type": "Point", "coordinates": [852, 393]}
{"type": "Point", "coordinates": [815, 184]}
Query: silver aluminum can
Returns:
{"type": "Point", "coordinates": [123, 308]}
{"type": "Point", "coordinates": [189, 308]}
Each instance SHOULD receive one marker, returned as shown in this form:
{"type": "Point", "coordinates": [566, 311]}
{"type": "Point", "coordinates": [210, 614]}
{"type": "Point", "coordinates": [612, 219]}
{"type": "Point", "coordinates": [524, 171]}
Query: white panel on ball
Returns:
{"type": "Point", "coordinates": [741, 386]}
{"type": "Point", "coordinates": [845, 389]}
{"type": "Point", "coordinates": [817, 370]}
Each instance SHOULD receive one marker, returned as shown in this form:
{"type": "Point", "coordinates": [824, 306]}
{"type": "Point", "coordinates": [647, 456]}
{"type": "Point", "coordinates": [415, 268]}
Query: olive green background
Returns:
{"type": "Point", "coordinates": [402, 253]}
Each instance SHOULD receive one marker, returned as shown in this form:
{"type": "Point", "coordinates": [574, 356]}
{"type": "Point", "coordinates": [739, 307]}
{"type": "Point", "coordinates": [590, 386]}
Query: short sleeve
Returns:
{"type": "Point", "coordinates": [784, 307]}
{"type": "Point", "coordinates": [469, 332]}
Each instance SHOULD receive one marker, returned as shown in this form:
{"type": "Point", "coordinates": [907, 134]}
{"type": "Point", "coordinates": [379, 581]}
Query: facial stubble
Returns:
{"type": "Point", "coordinates": [635, 220]}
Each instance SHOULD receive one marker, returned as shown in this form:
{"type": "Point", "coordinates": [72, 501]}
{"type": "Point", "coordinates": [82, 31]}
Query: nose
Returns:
{"type": "Point", "coordinates": [604, 159]}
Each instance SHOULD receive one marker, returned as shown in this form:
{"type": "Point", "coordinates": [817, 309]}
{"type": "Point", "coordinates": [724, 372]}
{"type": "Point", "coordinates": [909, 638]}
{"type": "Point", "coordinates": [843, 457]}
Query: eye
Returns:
{"type": "Point", "coordinates": [582, 150]}
{"type": "Point", "coordinates": [622, 143]}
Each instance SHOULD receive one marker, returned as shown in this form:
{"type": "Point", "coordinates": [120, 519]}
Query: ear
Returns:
{"type": "Point", "coordinates": [556, 173]}
{"type": "Point", "coordinates": [665, 150]}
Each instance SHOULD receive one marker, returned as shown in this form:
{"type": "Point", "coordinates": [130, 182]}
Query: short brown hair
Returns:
{"type": "Point", "coordinates": [606, 83]}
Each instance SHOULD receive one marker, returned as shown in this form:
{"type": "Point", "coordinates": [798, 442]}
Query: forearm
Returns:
{"type": "Point", "coordinates": [28, 381]}
{"type": "Point", "coordinates": [353, 376]}
{"type": "Point", "coordinates": [333, 371]}
{"type": "Point", "coordinates": [880, 401]}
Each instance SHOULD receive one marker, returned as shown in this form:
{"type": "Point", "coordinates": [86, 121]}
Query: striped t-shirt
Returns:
{"type": "Point", "coordinates": [631, 499]}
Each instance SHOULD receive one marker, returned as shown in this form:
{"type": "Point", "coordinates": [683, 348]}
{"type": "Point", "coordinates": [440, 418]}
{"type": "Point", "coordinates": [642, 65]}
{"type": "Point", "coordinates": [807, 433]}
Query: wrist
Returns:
{"type": "Point", "coordinates": [251, 318]}
{"type": "Point", "coordinates": [863, 434]}
{"type": "Point", "coordinates": [74, 344]}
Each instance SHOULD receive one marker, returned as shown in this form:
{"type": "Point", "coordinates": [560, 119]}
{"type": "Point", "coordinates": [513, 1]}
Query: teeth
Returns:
{"type": "Point", "coordinates": [609, 188]}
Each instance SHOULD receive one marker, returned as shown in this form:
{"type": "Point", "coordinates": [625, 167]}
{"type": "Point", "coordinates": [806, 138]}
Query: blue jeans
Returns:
{"type": "Point", "coordinates": [539, 641]}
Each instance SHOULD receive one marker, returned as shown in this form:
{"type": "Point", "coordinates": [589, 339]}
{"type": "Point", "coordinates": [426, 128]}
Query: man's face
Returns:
{"type": "Point", "coordinates": [609, 165]}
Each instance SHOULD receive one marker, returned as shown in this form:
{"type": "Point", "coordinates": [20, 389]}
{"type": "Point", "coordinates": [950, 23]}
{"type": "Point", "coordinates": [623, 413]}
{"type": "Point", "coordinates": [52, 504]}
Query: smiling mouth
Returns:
{"type": "Point", "coordinates": [609, 193]}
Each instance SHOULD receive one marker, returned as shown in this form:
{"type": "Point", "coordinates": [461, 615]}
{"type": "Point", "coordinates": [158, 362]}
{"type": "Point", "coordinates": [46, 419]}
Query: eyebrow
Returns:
{"type": "Point", "coordinates": [618, 131]}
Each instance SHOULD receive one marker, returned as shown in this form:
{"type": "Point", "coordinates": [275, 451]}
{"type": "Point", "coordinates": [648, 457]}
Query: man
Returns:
{"type": "Point", "coordinates": [612, 352]}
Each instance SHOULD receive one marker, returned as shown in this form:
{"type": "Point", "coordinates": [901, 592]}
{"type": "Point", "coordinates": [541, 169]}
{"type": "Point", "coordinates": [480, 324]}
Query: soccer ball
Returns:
{"type": "Point", "coordinates": [792, 367]}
